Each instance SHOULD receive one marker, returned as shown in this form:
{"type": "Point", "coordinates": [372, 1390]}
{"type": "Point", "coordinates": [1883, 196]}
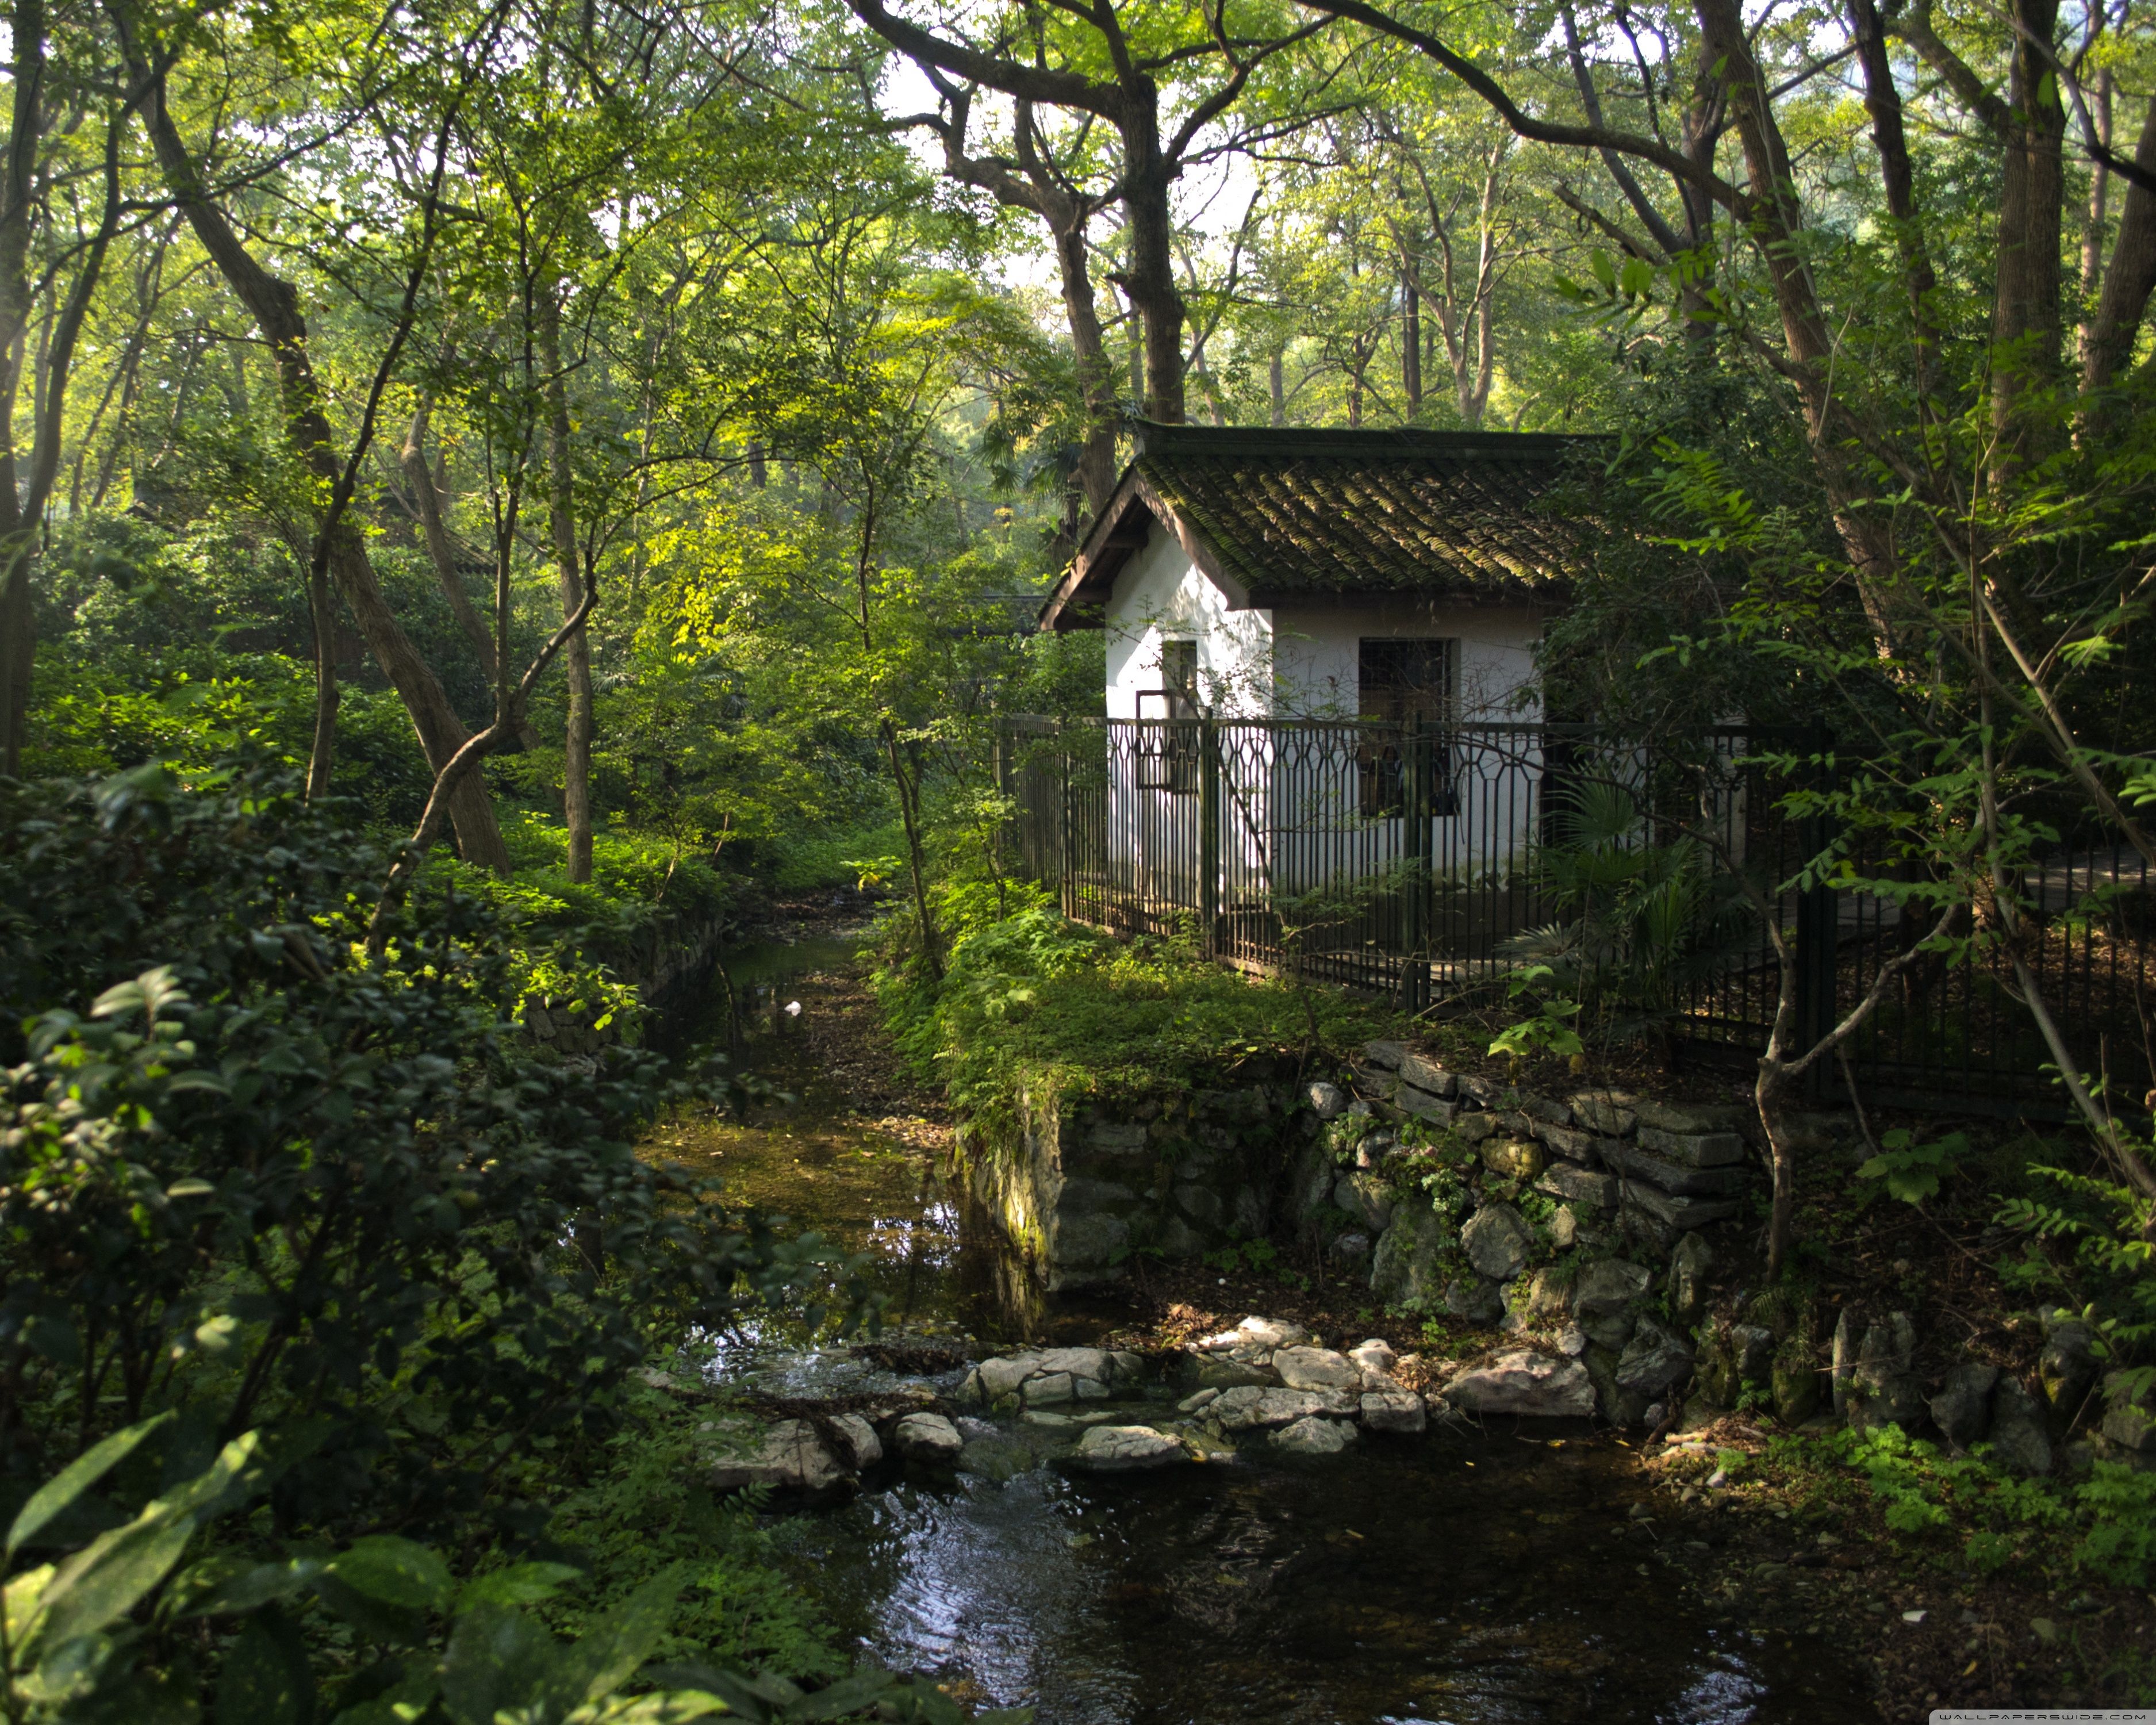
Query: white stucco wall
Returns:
{"type": "Point", "coordinates": [1159, 596]}
{"type": "Point", "coordinates": [1300, 663]}
{"type": "Point", "coordinates": [1316, 656]}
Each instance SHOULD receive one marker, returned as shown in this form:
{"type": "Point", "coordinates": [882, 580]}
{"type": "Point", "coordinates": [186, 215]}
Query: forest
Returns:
{"type": "Point", "coordinates": [495, 494]}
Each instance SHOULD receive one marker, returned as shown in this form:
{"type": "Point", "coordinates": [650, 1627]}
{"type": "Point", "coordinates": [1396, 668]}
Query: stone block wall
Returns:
{"type": "Point", "coordinates": [1081, 1185]}
{"type": "Point", "coordinates": [662, 970]}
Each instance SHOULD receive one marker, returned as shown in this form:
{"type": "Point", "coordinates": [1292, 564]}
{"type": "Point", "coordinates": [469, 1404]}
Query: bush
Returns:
{"type": "Point", "coordinates": [254, 1181]}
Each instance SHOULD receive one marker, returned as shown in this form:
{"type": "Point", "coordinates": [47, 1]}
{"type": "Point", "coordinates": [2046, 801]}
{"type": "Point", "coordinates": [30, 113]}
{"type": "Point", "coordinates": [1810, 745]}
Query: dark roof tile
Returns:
{"type": "Point", "coordinates": [1324, 512]}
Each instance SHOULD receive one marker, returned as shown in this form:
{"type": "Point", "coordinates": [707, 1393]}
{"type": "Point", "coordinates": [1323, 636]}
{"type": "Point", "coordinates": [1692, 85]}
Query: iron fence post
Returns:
{"type": "Point", "coordinates": [1818, 916]}
{"type": "Point", "coordinates": [1066, 891]}
{"type": "Point", "coordinates": [1415, 809]}
{"type": "Point", "coordinates": [1208, 833]}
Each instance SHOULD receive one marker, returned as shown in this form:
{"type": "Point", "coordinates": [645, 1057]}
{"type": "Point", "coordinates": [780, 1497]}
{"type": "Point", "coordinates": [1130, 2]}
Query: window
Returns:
{"type": "Point", "coordinates": [1168, 758]}
{"type": "Point", "coordinates": [1399, 680]}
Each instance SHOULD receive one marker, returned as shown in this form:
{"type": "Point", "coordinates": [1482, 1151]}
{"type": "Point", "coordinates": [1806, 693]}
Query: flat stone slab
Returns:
{"type": "Point", "coordinates": [789, 1455]}
{"type": "Point", "coordinates": [1317, 1369]}
{"type": "Point", "coordinates": [1694, 1149]}
{"type": "Point", "coordinates": [1314, 1436]}
{"type": "Point", "coordinates": [1393, 1411]}
{"type": "Point", "coordinates": [1255, 1333]}
{"type": "Point", "coordinates": [1249, 1408]}
{"type": "Point", "coordinates": [1676, 1212]}
{"type": "Point", "coordinates": [1126, 1449]}
{"type": "Point", "coordinates": [929, 1438]}
{"type": "Point", "coordinates": [1538, 1385]}
{"type": "Point", "coordinates": [1677, 1177]}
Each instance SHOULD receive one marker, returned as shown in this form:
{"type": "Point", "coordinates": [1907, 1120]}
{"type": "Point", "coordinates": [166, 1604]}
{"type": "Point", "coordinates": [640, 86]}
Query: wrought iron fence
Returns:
{"type": "Point", "coordinates": [1433, 862]}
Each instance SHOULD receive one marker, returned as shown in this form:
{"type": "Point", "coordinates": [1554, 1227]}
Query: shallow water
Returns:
{"type": "Point", "coordinates": [1476, 1579]}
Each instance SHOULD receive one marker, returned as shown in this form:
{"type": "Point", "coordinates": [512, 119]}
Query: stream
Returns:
{"type": "Point", "coordinates": [1471, 1579]}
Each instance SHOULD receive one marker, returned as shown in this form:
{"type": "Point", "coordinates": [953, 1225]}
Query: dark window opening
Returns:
{"type": "Point", "coordinates": [1168, 758]}
{"type": "Point", "coordinates": [1399, 680]}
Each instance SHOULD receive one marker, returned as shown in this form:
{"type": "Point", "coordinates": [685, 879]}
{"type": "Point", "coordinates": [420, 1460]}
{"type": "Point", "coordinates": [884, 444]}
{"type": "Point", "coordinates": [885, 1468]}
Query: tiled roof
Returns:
{"type": "Point", "coordinates": [1321, 512]}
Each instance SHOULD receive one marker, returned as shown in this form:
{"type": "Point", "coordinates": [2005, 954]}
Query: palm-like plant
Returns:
{"type": "Point", "coordinates": [1636, 922]}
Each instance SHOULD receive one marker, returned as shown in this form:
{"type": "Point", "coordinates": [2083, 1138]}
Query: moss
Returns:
{"type": "Point", "coordinates": [1035, 1006]}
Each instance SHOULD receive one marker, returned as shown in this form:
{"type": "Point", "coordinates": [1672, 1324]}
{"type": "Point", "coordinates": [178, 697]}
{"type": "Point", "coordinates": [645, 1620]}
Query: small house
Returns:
{"type": "Point", "coordinates": [1286, 573]}
{"type": "Point", "coordinates": [1326, 638]}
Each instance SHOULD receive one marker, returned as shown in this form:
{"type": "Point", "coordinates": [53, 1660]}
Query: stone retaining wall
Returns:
{"type": "Point", "coordinates": [1081, 1185]}
{"type": "Point", "coordinates": [670, 963]}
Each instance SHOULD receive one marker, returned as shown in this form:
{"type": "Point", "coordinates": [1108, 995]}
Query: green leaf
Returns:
{"type": "Point", "coordinates": [247, 1588]}
{"type": "Point", "coordinates": [519, 1584]}
{"type": "Point", "coordinates": [53, 1338]}
{"type": "Point", "coordinates": [266, 1679]}
{"type": "Point", "coordinates": [103, 1580]}
{"type": "Point", "coordinates": [496, 1660]}
{"type": "Point", "coordinates": [1605, 272]}
{"type": "Point", "coordinates": [397, 1572]}
{"type": "Point", "coordinates": [670, 1709]}
{"type": "Point", "coordinates": [408, 1700]}
{"type": "Point", "coordinates": [71, 1481]}
{"type": "Point", "coordinates": [850, 1695]}
{"type": "Point", "coordinates": [607, 1653]}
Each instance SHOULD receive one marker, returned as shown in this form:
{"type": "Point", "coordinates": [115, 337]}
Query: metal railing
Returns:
{"type": "Point", "coordinates": [1430, 862]}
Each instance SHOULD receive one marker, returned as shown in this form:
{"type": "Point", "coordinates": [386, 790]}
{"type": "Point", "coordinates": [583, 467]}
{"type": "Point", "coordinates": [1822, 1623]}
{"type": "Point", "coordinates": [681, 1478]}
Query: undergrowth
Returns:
{"type": "Point", "coordinates": [1964, 1512]}
{"type": "Point", "coordinates": [1032, 1001]}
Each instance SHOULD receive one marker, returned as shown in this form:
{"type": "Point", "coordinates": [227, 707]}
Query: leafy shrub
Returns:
{"type": "Point", "coordinates": [258, 1183]}
{"type": "Point", "coordinates": [113, 1629]}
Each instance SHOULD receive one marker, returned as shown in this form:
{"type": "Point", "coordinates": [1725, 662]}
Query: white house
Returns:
{"type": "Point", "coordinates": [1339, 579]}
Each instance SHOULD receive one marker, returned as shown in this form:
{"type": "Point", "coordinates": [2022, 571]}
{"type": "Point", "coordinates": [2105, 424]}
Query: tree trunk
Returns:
{"type": "Point", "coordinates": [18, 541]}
{"type": "Point", "coordinates": [2027, 325]}
{"type": "Point", "coordinates": [2092, 224]}
{"type": "Point", "coordinates": [1276, 383]}
{"type": "Point", "coordinates": [1097, 372]}
{"type": "Point", "coordinates": [909, 811]}
{"type": "Point", "coordinates": [577, 653]}
{"type": "Point", "coordinates": [1410, 343]}
{"type": "Point", "coordinates": [1778, 222]}
{"type": "Point", "coordinates": [1882, 98]}
{"type": "Point", "coordinates": [2127, 279]}
{"type": "Point", "coordinates": [1152, 280]}
{"type": "Point", "coordinates": [274, 305]}
{"type": "Point", "coordinates": [321, 608]}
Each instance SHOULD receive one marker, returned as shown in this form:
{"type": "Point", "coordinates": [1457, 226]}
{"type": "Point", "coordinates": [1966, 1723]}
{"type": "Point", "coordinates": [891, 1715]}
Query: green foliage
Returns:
{"type": "Point", "coordinates": [1638, 920]}
{"type": "Point", "coordinates": [1910, 1171]}
{"type": "Point", "coordinates": [2120, 1544]}
{"type": "Point", "coordinates": [260, 1182]}
{"type": "Point", "coordinates": [1035, 1001]}
{"type": "Point", "coordinates": [1548, 1031]}
{"type": "Point", "coordinates": [428, 1651]}
{"type": "Point", "coordinates": [2087, 1238]}
{"type": "Point", "coordinates": [2106, 1525]}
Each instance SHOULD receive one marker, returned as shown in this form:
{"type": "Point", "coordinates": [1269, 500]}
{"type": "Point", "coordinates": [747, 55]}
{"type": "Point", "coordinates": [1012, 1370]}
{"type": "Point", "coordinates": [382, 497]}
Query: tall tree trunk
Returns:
{"type": "Point", "coordinates": [577, 653]}
{"type": "Point", "coordinates": [1150, 286]}
{"type": "Point", "coordinates": [2093, 222]}
{"type": "Point", "coordinates": [1778, 221]}
{"type": "Point", "coordinates": [2129, 278]}
{"type": "Point", "coordinates": [2027, 325]}
{"type": "Point", "coordinates": [1410, 342]}
{"type": "Point", "coordinates": [1276, 385]}
{"type": "Point", "coordinates": [274, 307]}
{"type": "Point", "coordinates": [424, 479]}
{"type": "Point", "coordinates": [1097, 372]}
{"type": "Point", "coordinates": [1882, 98]}
{"type": "Point", "coordinates": [18, 536]}
{"type": "Point", "coordinates": [321, 752]}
